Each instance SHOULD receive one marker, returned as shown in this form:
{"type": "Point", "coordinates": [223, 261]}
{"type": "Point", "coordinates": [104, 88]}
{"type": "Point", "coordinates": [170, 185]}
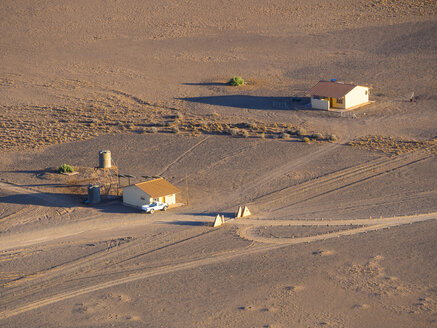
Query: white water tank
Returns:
{"type": "Point", "coordinates": [105, 159]}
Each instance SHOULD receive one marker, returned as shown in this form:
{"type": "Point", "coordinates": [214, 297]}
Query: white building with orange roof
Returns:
{"type": "Point", "coordinates": [332, 95]}
{"type": "Point", "coordinates": [156, 190]}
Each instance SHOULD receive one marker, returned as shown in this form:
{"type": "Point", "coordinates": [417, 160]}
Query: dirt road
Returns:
{"type": "Point", "coordinates": [246, 231]}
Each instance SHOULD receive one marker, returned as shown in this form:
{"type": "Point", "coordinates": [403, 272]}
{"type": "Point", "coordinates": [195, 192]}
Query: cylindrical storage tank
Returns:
{"type": "Point", "coordinates": [104, 159]}
{"type": "Point", "coordinates": [94, 194]}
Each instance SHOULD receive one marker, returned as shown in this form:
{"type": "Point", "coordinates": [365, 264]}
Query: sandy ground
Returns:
{"type": "Point", "coordinates": [343, 229]}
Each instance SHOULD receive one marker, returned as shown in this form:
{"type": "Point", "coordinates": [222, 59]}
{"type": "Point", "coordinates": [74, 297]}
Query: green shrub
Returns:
{"type": "Point", "coordinates": [306, 140]}
{"type": "Point", "coordinates": [65, 168]}
{"type": "Point", "coordinates": [236, 81]}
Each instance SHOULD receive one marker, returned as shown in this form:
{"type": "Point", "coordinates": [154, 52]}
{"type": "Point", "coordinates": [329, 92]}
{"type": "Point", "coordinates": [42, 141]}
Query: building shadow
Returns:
{"type": "Point", "coordinates": [190, 223]}
{"type": "Point", "coordinates": [210, 214]}
{"type": "Point", "coordinates": [42, 199]}
{"type": "Point", "coordinates": [253, 102]}
{"type": "Point", "coordinates": [109, 204]}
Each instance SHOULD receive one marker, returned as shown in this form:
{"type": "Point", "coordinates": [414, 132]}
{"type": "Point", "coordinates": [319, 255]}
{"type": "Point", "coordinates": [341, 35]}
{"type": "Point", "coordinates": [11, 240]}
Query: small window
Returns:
{"type": "Point", "coordinates": [366, 92]}
{"type": "Point", "coordinates": [142, 198]}
{"type": "Point", "coordinates": [339, 100]}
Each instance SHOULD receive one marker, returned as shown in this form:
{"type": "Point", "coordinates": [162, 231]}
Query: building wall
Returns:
{"type": "Point", "coordinates": [134, 196]}
{"type": "Point", "coordinates": [319, 103]}
{"type": "Point", "coordinates": [336, 104]}
{"type": "Point", "coordinates": [170, 199]}
{"type": "Point", "coordinates": [356, 96]}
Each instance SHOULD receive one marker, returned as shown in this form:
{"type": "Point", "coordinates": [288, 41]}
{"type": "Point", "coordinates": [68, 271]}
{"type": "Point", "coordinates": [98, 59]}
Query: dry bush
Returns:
{"type": "Point", "coordinates": [284, 135]}
{"type": "Point", "coordinates": [179, 116]}
{"type": "Point", "coordinates": [233, 131]}
{"type": "Point", "coordinates": [317, 136]}
{"type": "Point", "coordinates": [253, 126]}
{"type": "Point", "coordinates": [301, 132]}
{"type": "Point", "coordinates": [262, 127]}
{"type": "Point", "coordinates": [245, 133]}
{"type": "Point", "coordinates": [306, 139]}
{"type": "Point", "coordinates": [175, 129]}
{"type": "Point", "coordinates": [333, 137]}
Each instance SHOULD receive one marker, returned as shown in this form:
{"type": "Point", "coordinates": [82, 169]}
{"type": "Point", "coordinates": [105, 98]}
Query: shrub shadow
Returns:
{"type": "Point", "coordinates": [190, 223]}
{"type": "Point", "coordinates": [208, 84]}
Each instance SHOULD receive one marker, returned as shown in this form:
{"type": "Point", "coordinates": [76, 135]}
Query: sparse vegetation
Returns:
{"type": "Point", "coordinates": [306, 139]}
{"type": "Point", "coordinates": [236, 81]}
{"type": "Point", "coordinates": [390, 145]}
{"type": "Point", "coordinates": [22, 134]}
{"type": "Point", "coordinates": [65, 168]}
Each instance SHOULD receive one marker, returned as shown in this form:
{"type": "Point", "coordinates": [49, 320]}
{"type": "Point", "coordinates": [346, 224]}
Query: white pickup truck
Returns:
{"type": "Point", "coordinates": [155, 206]}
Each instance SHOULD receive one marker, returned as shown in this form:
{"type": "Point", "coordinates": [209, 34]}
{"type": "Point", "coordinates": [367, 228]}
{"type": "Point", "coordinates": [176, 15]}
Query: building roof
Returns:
{"type": "Point", "coordinates": [331, 89]}
{"type": "Point", "coordinates": [158, 188]}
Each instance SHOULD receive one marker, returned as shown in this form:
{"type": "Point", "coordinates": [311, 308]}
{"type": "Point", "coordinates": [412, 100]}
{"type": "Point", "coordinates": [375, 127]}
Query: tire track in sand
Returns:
{"type": "Point", "coordinates": [182, 155]}
{"type": "Point", "coordinates": [371, 225]}
{"type": "Point", "coordinates": [249, 225]}
{"type": "Point", "coordinates": [337, 180]}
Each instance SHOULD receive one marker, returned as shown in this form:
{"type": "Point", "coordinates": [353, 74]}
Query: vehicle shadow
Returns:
{"type": "Point", "coordinates": [253, 102]}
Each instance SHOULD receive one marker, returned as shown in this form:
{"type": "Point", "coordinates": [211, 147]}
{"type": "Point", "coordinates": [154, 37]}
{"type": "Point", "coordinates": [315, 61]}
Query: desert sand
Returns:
{"type": "Point", "coordinates": [343, 227]}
